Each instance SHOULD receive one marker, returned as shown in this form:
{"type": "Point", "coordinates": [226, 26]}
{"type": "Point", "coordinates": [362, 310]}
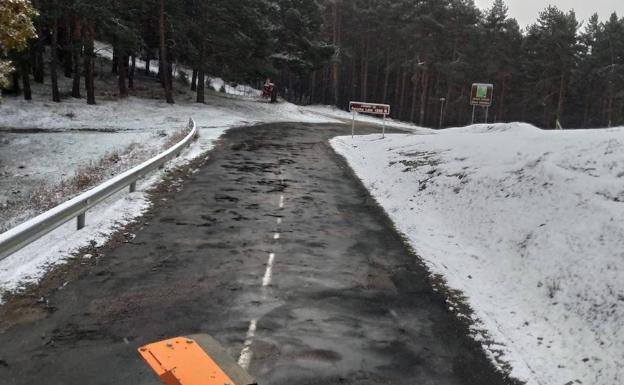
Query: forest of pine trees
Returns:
{"type": "Point", "coordinates": [412, 53]}
{"type": "Point", "coordinates": [408, 53]}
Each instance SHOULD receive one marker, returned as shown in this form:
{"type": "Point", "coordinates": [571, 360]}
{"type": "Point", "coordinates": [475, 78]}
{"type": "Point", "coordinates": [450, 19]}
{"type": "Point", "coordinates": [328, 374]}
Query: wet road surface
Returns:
{"type": "Point", "coordinates": [276, 250]}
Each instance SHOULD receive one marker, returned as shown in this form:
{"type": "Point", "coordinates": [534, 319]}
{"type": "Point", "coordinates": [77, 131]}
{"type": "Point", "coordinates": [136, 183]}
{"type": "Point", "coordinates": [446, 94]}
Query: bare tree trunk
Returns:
{"type": "Point", "coordinates": [462, 112]}
{"type": "Point", "coordinates": [324, 84]}
{"type": "Point", "coordinates": [415, 80]}
{"type": "Point", "coordinates": [444, 106]}
{"type": "Point", "coordinates": [194, 80]}
{"type": "Point", "coordinates": [291, 88]}
{"type": "Point", "coordinates": [170, 74]}
{"type": "Point", "coordinates": [25, 72]}
{"type": "Point", "coordinates": [336, 59]}
{"type": "Point", "coordinates": [397, 87]}
{"type": "Point", "coordinates": [38, 51]}
{"type": "Point", "coordinates": [610, 96]}
{"type": "Point", "coordinates": [39, 67]}
{"type": "Point", "coordinates": [89, 63]}
{"type": "Point", "coordinates": [163, 55]}
{"type": "Point", "coordinates": [402, 100]}
{"type": "Point", "coordinates": [161, 70]}
{"type": "Point", "coordinates": [386, 79]}
{"type": "Point", "coordinates": [131, 73]}
{"type": "Point", "coordinates": [354, 82]}
{"type": "Point", "coordinates": [15, 85]}
{"type": "Point", "coordinates": [67, 46]}
{"type": "Point", "coordinates": [199, 77]}
{"type": "Point", "coordinates": [56, 97]}
{"type": "Point", "coordinates": [424, 94]}
{"type": "Point", "coordinates": [312, 87]}
{"type": "Point", "coordinates": [560, 103]}
{"type": "Point", "coordinates": [76, 49]}
{"type": "Point", "coordinates": [500, 110]}
{"type": "Point", "coordinates": [122, 69]}
{"type": "Point", "coordinates": [201, 85]}
{"type": "Point", "coordinates": [364, 76]}
{"type": "Point", "coordinates": [588, 104]}
{"type": "Point", "coordinates": [115, 62]}
{"type": "Point", "coordinates": [546, 116]}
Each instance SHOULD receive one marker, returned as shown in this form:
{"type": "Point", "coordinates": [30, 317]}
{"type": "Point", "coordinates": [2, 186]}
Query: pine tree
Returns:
{"type": "Point", "coordinates": [552, 49]}
{"type": "Point", "coordinates": [502, 46]}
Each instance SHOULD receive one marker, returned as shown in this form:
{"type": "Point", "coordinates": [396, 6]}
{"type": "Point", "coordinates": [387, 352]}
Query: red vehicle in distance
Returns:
{"type": "Point", "coordinates": [269, 91]}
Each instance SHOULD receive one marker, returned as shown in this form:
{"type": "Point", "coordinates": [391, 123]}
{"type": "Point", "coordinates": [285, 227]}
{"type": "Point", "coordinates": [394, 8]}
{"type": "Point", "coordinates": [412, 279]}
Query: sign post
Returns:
{"type": "Point", "coordinates": [442, 100]}
{"type": "Point", "coordinates": [369, 108]}
{"type": "Point", "coordinates": [481, 95]}
{"type": "Point", "coordinates": [383, 133]}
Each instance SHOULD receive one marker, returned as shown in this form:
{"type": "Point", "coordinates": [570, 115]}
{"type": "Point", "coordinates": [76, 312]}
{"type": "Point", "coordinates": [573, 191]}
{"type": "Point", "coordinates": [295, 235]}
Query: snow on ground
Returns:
{"type": "Point", "coordinates": [528, 224]}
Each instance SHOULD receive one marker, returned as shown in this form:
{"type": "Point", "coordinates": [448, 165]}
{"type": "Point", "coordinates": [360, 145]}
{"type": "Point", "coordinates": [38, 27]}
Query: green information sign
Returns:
{"type": "Point", "coordinates": [482, 91]}
{"type": "Point", "coordinates": [481, 95]}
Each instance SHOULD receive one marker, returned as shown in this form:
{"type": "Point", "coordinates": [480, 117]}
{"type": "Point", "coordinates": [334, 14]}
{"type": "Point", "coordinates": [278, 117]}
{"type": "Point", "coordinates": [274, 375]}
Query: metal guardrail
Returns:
{"type": "Point", "coordinates": [30, 231]}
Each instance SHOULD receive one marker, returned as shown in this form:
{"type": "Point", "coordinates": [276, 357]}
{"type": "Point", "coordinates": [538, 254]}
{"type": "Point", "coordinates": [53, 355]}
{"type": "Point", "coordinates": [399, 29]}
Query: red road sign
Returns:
{"type": "Point", "coordinates": [369, 108]}
{"type": "Point", "coordinates": [482, 95]}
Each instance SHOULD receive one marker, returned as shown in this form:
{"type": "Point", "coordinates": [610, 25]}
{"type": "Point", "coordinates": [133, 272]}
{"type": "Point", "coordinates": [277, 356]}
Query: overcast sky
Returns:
{"type": "Point", "coordinates": [526, 11]}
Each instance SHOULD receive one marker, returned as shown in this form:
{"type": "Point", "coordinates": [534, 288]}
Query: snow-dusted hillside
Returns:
{"type": "Point", "coordinates": [528, 224]}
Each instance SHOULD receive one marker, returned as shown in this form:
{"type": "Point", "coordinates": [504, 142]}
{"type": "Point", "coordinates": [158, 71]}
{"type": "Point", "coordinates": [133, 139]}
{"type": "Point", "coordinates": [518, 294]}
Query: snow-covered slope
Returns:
{"type": "Point", "coordinates": [528, 224]}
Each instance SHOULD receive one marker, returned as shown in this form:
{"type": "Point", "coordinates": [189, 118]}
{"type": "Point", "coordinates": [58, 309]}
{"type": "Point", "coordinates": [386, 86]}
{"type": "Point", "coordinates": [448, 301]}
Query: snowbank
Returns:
{"type": "Point", "coordinates": [528, 224]}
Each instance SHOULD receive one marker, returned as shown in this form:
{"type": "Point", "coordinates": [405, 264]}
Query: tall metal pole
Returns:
{"type": "Point", "coordinates": [442, 100]}
{"type": "Point", "coordinates": [473, 114]}
{"type": "Point", "coordinates": [487, 111]}
{"type": "Point", "coordinates": [383, 133]}
{"type": "Point", "coordinates": [353, 126]}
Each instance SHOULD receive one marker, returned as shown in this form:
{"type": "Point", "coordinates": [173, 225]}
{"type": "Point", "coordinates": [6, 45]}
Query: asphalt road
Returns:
{"type": "Point", "coordinates": [276, 250]}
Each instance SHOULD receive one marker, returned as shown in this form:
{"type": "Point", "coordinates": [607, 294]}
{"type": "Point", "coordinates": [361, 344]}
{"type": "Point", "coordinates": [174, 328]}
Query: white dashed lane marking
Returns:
{"type": "Point", "coordinates": [246, 354]}
{"type": "Point", "coordinates": [245, 357]}
{"type": "Point", "coordinates": [268, 274]}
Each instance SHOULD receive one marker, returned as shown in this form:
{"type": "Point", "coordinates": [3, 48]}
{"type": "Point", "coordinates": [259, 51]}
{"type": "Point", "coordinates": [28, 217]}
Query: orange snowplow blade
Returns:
{"type": "Point", "coordinates": [182, 361]}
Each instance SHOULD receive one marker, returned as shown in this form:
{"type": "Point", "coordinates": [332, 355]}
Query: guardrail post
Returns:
{"type": "Point", "coordinates": [132, 187]}
{"type": "Point", "coordinates": [81, 219]}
